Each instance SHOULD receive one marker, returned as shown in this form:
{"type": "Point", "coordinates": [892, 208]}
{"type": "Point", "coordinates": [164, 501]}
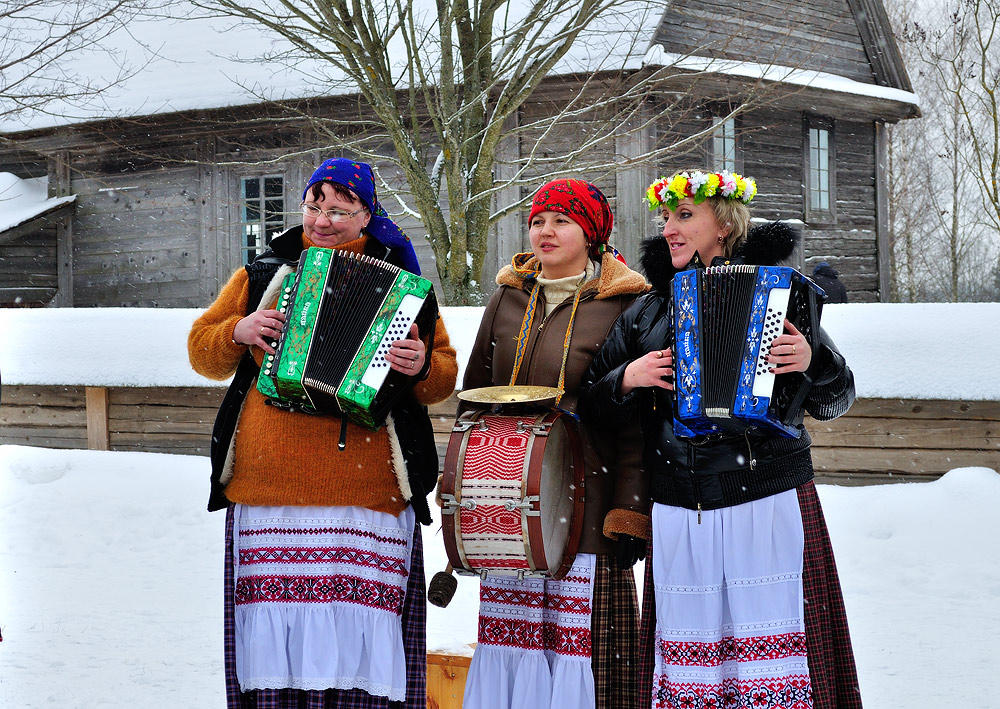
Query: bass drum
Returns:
{"type": "Point", "coordinates": [512, 494]}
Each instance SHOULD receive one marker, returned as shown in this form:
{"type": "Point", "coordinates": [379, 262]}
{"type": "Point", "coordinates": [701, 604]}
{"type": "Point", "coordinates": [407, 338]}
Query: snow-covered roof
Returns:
{"type": "Point", "coordinates": [22, 200]}
{"type": "Point", "coordinates": [184, 62]}
{"type": "Point", "coordinates": [657, 56]}
{"type": "Point", "coordinates": [881, 342]}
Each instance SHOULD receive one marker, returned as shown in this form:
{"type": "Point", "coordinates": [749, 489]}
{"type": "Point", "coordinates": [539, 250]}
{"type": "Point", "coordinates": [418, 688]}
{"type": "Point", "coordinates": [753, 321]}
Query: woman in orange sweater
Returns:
{"type": "Point", "coordinates": [324, 583]}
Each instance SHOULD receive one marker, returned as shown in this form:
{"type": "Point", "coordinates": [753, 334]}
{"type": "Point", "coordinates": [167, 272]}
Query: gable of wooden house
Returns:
{"type": "Point", "coordinates": [170, 203]}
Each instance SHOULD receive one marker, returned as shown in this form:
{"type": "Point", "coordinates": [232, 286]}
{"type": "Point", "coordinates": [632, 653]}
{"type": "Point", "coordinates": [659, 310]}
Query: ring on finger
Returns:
{"type": "Point", "coordinates": [793, 349]}
{"type": "Point", "coordinates": [659, 354]}
{"type": "Point", "coordinates": [261, 329]}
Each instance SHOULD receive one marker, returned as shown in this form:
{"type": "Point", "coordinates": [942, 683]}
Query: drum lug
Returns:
{"type": "Point", "coordinates": [461, 426]}
{"type": "Point", "coordinates": [528, 505]}
{"type": "Point", "coordinates": [539, 429]}
{"type": "Point", "coordinates": [449, 503]}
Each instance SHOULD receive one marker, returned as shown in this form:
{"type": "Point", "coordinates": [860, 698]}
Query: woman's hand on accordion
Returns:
{"type": "Point", "coordinates": [407, 356]}
{"type": "Point", "coordinates": [790, 351]}
{"type": "Point", "coordinates": [259, 328]}
{"type": "Point", "coordinates": [653, 369]}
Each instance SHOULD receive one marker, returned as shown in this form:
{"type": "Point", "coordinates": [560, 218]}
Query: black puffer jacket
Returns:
{"type": "Point", "coordinates": [707, 472]}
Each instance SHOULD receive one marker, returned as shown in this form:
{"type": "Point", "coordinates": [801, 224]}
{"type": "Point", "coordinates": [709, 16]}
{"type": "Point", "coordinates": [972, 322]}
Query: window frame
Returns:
{"type": "Point", "coordinates": [819, 215]}
{"type": "Point", "coordinates": [718, 118]}
{"type": "Point", "coordinates": [245, 253]}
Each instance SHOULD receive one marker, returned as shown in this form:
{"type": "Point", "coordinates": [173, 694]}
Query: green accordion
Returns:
{"type": "Point", "coordinates": [342, 313]}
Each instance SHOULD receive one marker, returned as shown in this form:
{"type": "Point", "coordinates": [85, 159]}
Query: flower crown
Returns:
{"type": "Point", "coordinates": [699, 186]}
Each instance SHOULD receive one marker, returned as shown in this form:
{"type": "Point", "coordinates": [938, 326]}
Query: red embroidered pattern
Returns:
{"type": "Point", "coordinates": [566, 641]}
{"type": "Point", "coordinates": [322, 555]}
{"type": "Point", "coordinates": [510, 632]}
{"type": "Point", "coordinates": [510, 596]}
{"type": "Point", "coordinates": [794, 692]}
{"type": "Point", "coordinates": [319, 589]}
{"type": "Point", "coordinates": [534, 636]}
{"type": "Point", "coordinates": [568, 604]}
{"type": "Point", "coordinates": [288, 531]}
{"type": "Point", "coordinates": [730, 649]}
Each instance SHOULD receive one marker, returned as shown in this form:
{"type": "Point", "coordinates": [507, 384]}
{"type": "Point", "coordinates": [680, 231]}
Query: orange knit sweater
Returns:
{"type": "Point", "coordinates": [287, 458]}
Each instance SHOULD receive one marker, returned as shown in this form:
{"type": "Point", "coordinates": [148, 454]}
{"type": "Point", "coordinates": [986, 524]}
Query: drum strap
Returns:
{"type": "Point", "coordinates": [522, 337]}
{"type": "Point", "coordinates": [566, 342]}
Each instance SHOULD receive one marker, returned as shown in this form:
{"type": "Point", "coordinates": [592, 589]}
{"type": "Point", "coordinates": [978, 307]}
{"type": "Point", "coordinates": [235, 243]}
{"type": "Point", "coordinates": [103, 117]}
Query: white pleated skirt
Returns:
{"type": "Point", "coordinates": [534, 646]}
{"type": "Point", "coordinates": [319, 595]}
{"type": "Point", "coordinates": [730, 628]}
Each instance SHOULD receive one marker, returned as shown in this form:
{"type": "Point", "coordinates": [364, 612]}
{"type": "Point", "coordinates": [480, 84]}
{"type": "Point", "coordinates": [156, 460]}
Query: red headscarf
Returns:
{"type": "Point", "coordinates": [583, 203]}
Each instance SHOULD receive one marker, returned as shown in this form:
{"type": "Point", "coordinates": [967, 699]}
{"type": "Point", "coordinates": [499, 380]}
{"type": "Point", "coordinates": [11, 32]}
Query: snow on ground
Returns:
{"type": "Point", "coordinates": [111, 584]}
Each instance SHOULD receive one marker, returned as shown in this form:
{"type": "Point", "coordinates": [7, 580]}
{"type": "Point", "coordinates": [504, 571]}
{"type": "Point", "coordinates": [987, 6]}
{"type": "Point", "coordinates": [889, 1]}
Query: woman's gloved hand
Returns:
{"type": "Point", "coordinates": [628, 550]}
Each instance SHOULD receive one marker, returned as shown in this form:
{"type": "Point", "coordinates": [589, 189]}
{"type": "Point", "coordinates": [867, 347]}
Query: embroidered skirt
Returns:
{"type": "Point", "coordinates": [745, 609]}
{"type": "Point", "coordinates": [566, 643]}
{"type": "Point", "coordinates": [324, 607]}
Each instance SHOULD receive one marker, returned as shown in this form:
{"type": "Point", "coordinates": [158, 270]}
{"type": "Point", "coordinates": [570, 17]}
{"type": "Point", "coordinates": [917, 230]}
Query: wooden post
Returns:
{"type": "Point", "coordinates": [446, 676]}
{"type": "Point", "coordinates": [98, 437]}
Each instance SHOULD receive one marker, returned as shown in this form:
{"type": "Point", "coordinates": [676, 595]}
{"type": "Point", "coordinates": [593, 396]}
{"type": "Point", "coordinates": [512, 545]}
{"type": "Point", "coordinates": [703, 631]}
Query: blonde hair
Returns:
{"type": "Point", "coordinates": [735, 215]}
{"type": "Point", "coordinates": [731, 213]}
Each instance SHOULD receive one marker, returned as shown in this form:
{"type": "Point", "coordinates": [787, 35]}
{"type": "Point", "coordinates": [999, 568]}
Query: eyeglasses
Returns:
{"type": "Point", "coordinates": [334, 215]}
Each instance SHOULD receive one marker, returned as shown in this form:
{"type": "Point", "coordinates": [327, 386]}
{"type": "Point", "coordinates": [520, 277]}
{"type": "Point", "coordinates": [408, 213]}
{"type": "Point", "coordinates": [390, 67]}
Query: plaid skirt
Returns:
{"type": "Point", "coordinates": [414, 622]}
{"type": "Point", "coordinates": [832, 670]}
{"type": "Point", "coordinates": [615, 636]}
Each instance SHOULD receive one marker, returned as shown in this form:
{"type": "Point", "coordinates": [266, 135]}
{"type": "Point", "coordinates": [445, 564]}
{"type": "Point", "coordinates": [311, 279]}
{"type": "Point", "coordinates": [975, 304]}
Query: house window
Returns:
{"type": "Point", "coordinates": [724, 144]}
{"type": "Point", "coordinates": [262, 215]}
{"type": "Point", "coordinates": [820, 162]}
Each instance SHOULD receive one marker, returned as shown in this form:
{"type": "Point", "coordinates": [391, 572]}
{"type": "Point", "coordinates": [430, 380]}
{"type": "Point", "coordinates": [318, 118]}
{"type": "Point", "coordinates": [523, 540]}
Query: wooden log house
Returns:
{"type": "Point", "coordinates": [169, 204]}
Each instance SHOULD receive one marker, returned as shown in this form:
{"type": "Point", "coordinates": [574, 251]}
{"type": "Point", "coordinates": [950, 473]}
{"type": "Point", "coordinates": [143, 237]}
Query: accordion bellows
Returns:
{"type": "Point", "coordinates": [342, 312]}
{"type": "Point", "coordinates": [725, 318]}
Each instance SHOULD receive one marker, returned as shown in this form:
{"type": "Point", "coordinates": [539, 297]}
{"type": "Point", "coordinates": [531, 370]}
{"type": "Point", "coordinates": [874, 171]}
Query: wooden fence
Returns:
{"type": "Point", "coordinates": [879, 440]}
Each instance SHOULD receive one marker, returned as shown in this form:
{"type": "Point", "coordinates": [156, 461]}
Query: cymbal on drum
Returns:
{"type": "Point", "coordinates": [519, 394]}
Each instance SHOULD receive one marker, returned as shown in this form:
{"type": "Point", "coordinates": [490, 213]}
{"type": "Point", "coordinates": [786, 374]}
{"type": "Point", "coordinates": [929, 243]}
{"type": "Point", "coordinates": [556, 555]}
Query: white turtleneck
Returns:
{"type": "Point", "coordinates": [557, 290]}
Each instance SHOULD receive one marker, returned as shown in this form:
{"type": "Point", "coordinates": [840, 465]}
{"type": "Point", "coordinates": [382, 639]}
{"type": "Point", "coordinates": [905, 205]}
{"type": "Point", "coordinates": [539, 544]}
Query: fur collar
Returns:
{"type": "Point", "coordinates": [766, 245]}
{"type": "Point", "coordinates": [613, 278]}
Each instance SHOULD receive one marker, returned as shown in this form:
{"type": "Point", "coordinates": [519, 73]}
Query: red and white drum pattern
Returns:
{"type": "Point", "coordinates": [494, 464]}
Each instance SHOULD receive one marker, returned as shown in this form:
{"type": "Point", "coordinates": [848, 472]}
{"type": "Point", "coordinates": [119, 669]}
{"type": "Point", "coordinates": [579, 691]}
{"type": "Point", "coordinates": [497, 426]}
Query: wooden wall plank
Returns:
{"type": "Point", "coordinates": [446, 676]}
{"type": "Point", "coordinates": [97, 419]}
{"type": "Point", "coordinates": [888, 462]}
{"type": "Point", "coordinates": [926, 409]}
{"type": "Point", "coordinates": [881, 433]}
{"type": "Point", "coordinates": [809, 35]}
{"type": "Point", "coordinates": [40, 395]}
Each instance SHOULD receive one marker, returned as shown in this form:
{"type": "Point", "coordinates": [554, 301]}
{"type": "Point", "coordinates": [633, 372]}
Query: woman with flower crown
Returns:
{"type": "Point", "coordinates": [742, 604]}
{"type": "Point", "coordinates": [571, 642]}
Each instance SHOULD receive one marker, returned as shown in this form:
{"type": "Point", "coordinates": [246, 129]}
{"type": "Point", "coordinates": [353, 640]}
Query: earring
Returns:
{"type": "Point", "coordinates": [722, 239]}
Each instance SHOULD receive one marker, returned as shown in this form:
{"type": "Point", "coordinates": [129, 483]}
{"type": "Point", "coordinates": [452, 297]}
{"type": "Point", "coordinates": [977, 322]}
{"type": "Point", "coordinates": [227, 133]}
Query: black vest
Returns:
{"type": "Point", "coordinates": [412, 423]}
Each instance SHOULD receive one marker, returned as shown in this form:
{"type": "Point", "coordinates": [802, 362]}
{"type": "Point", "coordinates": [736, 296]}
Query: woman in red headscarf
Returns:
{"type": "Point", "coordinates": [570, 641]}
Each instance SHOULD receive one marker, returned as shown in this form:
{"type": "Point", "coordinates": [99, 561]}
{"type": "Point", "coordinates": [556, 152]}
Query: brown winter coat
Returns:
{"type": "Point", "coordinates": [616, 498]}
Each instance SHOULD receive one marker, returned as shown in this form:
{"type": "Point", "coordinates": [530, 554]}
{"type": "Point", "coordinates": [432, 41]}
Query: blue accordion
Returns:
{"type": "Point", "coordinates": [725, 318]}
